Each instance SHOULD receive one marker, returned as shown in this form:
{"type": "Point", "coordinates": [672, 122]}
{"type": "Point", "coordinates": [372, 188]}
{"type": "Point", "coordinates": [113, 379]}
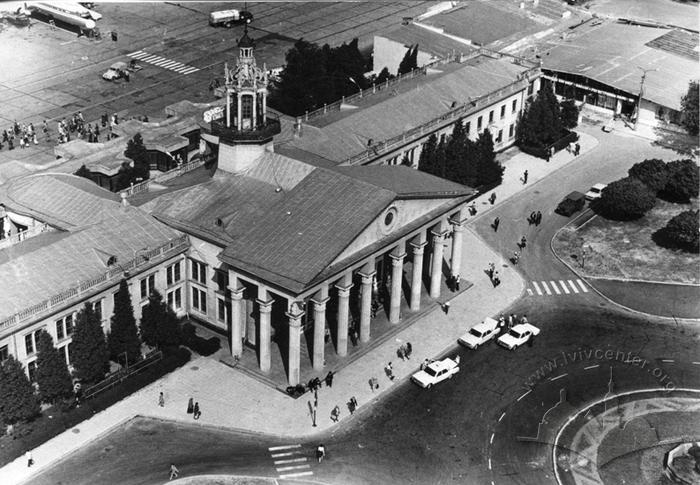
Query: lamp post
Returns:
{"type": "Point", "coordinates": [641, 92]}
{"type": "Point", "coordinates": [585, 249]}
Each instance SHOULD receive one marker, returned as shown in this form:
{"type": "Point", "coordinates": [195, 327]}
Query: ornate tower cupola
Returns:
{"type": "Point", "coordinates": [244, 128]}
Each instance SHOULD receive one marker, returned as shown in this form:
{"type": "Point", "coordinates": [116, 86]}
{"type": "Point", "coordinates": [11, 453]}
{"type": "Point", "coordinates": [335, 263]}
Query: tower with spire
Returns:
{"type": "Point", "coordinates": [244, 129]}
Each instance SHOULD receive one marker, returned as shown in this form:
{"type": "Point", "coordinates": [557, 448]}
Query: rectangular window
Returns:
{"type": "Point", "coordinates": [468, 127]}
{"type": "Point", "coordinates": [199, 271]}
{"type": "Point", "coordinates": [530, 88]}
{"type": "Point", "coordinates": [148, 284]}
{"type": "Point", "coordinates": [69, 324]}
{"type": "Point", "coordinates": [221, 280]}
{"type": "Point", "coordinates": [199, 300]}
{"type": "Point", "coordinates": [172, 273]}
{"type": "Point", "coordinates": [479, 122]}
{"type": "Point", "coordinates": [224, 311]}
{"type": "Point", "coordinates": [491, 116]}
{"type": "Point", "coordinates": [511, 131]}
{"type": "Point", "coordinates": [174, 299]}
{"type": "Point", "coordinates": [31, 368]}
{"type": "Point", "coordinates": [515, 105]}
{"type": "Point", "coordinates": [499, 138]}
{"type": "Point", "coordinates": [59, 329]}
{"type": "Point", "coordinates": [442, 138]}
{"type": "Point", "coordinates": [97, 308]}
{"type": "Point", "coordinates": [4, 353]}
{"type": "Point", "coordinates": [29, 343]}
{"type": "Point", "coordinates": [503, 111]}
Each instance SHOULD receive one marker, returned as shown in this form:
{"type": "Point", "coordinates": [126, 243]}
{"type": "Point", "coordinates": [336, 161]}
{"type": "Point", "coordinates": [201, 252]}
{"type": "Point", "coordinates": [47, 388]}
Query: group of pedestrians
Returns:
{"type": "Point", "coordinates": [535, 218]}
{"type": "Point", "coordinates": [404, 351]}
{"type": "Point", "coordinates": [494, 275]}
{"type": "Point", "coordinates": [22, 135]}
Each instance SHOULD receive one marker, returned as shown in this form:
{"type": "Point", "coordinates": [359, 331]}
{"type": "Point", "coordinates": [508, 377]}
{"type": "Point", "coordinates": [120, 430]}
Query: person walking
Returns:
{"type": "Point", "coordinates": [516, 257]}
{"type": "Point", "coordinates": [328, 379]}
{"type": "Point", "coordinates": [335, 414]}
{"type": "Point", "coordinates": [523, 242]}
{"type": "Point", "coordinates": [538, 218]}
{"type": "Point", "coordinates": [409, 350]}
{"type": "Point", "coordinates": [496, 223]}
{"type": "Point", "coordinates": [196, 412]}
{"type": "Point", "coordinates": [174, 472]}
{"type": "Point", "coordinates": [320, 453]}
{"type": "Point", "coordinates": [30, 458]}
{"type": "Point", "coordinates": [190, 406]}
{"type": "Point", "coordinates": [389, 370]}
{"type": "Point", "coordinates": [496, 279]}
{"type": "Point", "coordinates": [492, 198]}
{"type": "Point", "coordinates": [524, 177]}
{"type": "Point", "coordinates": [161, 400]}
{"type": "Point", "coordinates": [374, 383]}
{"type": "Point", "coordinates": [511, 318]}
{"type": "Point", "coordinates": [577, 149]}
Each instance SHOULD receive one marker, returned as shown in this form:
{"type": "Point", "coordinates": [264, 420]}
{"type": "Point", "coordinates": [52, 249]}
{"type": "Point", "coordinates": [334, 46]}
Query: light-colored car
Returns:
{"type": "Point", "coordinates": [480, 334]}
{"type": "Point", "coordinates": [436, 372]}
{"type": "Point", "coordinates": [518, 335]}
{"type": "Point", "coordinates": [115, 71]}
{"type": "Point", "coordinates": [595, 192]}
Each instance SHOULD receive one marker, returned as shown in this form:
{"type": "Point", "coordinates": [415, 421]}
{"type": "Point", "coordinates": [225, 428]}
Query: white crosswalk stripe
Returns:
{"type": "Point", "coordinates": [163, 62]}
{"type": "Point", "coordinates": [290, 461]}
{"type": "Point", "coordinates": [557, 287]}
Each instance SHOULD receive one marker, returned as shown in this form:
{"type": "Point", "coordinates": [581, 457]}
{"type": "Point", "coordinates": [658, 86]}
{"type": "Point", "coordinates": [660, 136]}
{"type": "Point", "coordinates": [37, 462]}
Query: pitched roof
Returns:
{"type": "Point", "coordinates": [62, 200]}
{"type": "Point", "coordinates": [434, 43]}
{"type": "Point", "coordinates": [428, 100]}
{"type": "Point", "coordinates": [302, 234]}
{"type": "Point", "coordinates": [613, 54]}
{"type": "Point", "coordinates": [406, 182]}
{"type": "Point", "coordinates": [43, 266]}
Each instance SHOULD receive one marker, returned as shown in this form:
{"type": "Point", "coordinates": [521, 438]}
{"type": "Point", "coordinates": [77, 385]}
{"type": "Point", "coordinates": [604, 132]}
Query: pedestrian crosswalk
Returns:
{"type": "Point", "coordinates": [557, 287]}
{"type": "Point", "coordinates": [163, 62]}
{"type": "Point", "coordinates": [290, 461]}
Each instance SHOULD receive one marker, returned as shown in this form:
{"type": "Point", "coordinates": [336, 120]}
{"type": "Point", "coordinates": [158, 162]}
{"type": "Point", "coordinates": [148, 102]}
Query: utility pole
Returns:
{"type": "Point", "coordinates": [641, 92]}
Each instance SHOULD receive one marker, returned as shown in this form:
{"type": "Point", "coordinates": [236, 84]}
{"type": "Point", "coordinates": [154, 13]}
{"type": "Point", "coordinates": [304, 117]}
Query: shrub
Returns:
{"type": "Point", "coordinates": [683, 181]}
{"type": "Point", "coordinates": [652, 172]}
{"type": "Point", "coordinates": [689, 108]}
{"type": "Point", "coordinates": [682, 231]}
{"type": "Point", "coordinates": [625, 199]}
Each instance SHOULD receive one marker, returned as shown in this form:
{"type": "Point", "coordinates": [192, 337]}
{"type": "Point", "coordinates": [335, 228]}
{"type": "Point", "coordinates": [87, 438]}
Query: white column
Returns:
{"type": "Point", "coordinates": [265, 305]}
{"type": "Point", "coordinates": [264, 107]}
{"type": "Point", "coordinates": [343, 313]}
{"type": "Point", "coordinates": [367, 274]}
{"type": "Point", "coordinates": [236, 336]}
{"type": "Point", "coordinates": [458, 228]}
{"type": "Point", "coordinates": [239, 113]}
{"type": "Point", "coordinates": [418, 246]}
{"type": "Point", "coordinates": [397, 257]}
{"type": "Point", "coordinates": [436, 269]}
{"type": "Point", "coordinates": [319, 300]}
{"type": "Point", "coordinates": [294, 314]}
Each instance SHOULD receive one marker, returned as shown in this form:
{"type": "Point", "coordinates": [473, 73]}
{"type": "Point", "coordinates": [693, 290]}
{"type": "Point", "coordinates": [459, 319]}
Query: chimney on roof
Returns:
{"type": "Point", "coordinates": [125, 202]}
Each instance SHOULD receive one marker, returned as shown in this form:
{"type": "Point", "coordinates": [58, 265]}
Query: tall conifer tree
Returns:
{"type": "Point", "coordinates": [52, 374]}
{"type": "Point", "coordinates": [17, 399]}
{"type": "Point", "coordinates": [90, 355]}
{"type": "Point", "coordinates": [123, 340]}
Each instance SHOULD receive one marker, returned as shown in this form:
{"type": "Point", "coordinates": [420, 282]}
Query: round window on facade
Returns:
{"type": "Point", "coordinates": [390, 219]}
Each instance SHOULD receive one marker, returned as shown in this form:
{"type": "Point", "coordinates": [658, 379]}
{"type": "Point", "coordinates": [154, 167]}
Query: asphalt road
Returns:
{"type": "Point", "coordinates": [437, 436]}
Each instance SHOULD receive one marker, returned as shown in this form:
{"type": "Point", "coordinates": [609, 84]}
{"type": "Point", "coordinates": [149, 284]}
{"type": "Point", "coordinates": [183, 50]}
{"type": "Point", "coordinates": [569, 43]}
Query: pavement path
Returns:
{"type": "Point", "coordinates": [246, 404]}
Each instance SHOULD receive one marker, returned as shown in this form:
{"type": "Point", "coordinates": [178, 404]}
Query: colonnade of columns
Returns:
{"type": "Point", "coordinates": [343, 285]}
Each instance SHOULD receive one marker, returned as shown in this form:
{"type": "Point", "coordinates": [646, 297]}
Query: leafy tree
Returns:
{"type": "Point", "coordinates": [683, 231]}
{"type": "Point", "coordinates": [426, 161]}
{"type": "Point", "coordinates": [17, 399]}
{"type": "Point", "coordinates": [52, 374]}
{"type": "Point", "coordinates": [136, 151]}
{"type": "Point", "coordinates": [409, 61]}
{"type": "Point", "coordinates": [456, 161]}
{"type": "Point", "coordinates": [90, 355]}
{"type": "Point", "coordinates": [383, 76]}
{"type": "Point", "coordinates": [569, 113]}
{"type": "Point", "coordinates": [83, 172]}
{"type": "Point", "coordinates": [540, 123]}
{"type": "Point", "coordinates": [159, 326]}
{"type": "Point", "coordinates": [689, 108]}
{"type": "Point", "coordinates": [625, 199]}
{"type": "Point", "coordinates": [683, 180]}
{"type": "Point", "coordinates": [489, 171]}
{"type": "Point", "coordinates": [652, 171]}
{"type": "Point", "coordinates": [123, 336]}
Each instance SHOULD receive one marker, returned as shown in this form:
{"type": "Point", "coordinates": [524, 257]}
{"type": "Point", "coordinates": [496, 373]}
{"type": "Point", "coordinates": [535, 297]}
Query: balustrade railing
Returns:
{"type": "Point", "coordinates": [82, 287]}
{"type": "Point", "coordinates": [162, 177]}
{"type": "Point", "coordinates": [21, 236]}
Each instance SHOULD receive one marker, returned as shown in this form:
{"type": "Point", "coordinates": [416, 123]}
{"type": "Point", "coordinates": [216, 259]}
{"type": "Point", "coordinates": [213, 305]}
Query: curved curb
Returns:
{"type": "Point", "coordinates": [594, 288]}
{"type": "Point", "coordinates": [234, 479]}
{"type": "Point", "coordinates": [555, 446]}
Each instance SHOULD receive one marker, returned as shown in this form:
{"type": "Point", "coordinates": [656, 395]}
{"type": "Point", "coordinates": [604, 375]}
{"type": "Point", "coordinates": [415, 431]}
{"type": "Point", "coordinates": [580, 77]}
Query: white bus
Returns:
{"type": "Point", "coordinates": [227, 18]}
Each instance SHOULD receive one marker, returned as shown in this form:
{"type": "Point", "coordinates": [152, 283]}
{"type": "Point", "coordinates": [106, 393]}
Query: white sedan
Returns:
{"type": "Point", "coordinates": [595, 192]}
{"type": "Point", "coordinates": [436, 372]}
{"type": "Point", "coordinates": [480, 334]}
{"type": "Point", "coordinates": [518, 335]}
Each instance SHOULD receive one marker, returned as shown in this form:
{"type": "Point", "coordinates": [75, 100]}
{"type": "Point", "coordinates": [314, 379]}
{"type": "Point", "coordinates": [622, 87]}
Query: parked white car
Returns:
{"type": "Point", "coordinates": [480, 334]}
{"type": "Point", "coordinates": [436, 372]}
{"type": "Point", "coordinates": [518, 335]}
{"type": "Point", "coordinates": [595, 192]}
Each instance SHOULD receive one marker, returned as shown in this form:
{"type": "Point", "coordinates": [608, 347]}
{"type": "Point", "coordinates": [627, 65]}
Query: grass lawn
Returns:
{"type": "Point", "coordinates": [626, 250]}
